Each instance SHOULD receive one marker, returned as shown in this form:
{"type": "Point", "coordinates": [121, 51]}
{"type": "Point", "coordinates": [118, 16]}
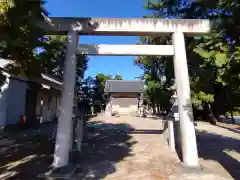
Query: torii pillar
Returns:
{"type": "Point", "coordinates": [188, 137]}
{"type": "Point", "coordinates": [64, 129]}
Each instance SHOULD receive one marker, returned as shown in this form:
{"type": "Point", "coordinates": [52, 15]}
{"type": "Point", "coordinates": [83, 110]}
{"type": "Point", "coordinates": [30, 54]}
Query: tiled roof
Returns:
{"type": "Point", "coordinates": [44, 79]}
{"type": "Point", "coordinates": [124, 86]}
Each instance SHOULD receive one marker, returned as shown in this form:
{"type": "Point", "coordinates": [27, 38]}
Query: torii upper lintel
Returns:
{"type": "Point", "coordinates": [126, 26]}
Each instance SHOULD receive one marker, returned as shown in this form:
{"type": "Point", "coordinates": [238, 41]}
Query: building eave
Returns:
{"type": "Point", "coordinates": [44, 80]}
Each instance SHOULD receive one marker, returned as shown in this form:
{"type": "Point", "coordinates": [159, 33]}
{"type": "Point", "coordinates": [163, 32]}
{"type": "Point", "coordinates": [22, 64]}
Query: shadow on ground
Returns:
{"type": "Point", "coordinates": [105, 145]}
{"type": "Point", "coordinates": [216, 147]}
{"type": "Point", "coordinates": [235, 130]}
{"type": "Point", "coordinates": [24, 155]}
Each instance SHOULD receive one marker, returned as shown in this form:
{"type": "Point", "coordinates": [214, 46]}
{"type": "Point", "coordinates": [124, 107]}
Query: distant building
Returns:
{"type": "Point", "coordinates": [123, 97]}
{"type": "Point", "coordinates": [35, 99]}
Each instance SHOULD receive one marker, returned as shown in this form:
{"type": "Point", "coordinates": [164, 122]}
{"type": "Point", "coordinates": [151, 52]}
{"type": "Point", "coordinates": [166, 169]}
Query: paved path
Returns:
{"type": "Point", "coordinates": [127, 148]}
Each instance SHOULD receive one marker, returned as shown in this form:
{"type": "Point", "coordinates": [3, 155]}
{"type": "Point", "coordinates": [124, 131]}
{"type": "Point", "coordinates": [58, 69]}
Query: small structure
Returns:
{"type": "Point", "coordinates": [173, 135]}
{"type": "Point", "coordinates": [123, 97]}
{"type": "Point", "coordinates": [36, 100]}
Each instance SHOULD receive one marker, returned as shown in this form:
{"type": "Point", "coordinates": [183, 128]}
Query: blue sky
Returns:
{"type": "Point", "coordinates": [111, 65]}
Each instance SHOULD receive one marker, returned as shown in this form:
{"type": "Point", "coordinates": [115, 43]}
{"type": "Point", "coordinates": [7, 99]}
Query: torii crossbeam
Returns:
{"type": "Point", "coordinates": [126, 26]}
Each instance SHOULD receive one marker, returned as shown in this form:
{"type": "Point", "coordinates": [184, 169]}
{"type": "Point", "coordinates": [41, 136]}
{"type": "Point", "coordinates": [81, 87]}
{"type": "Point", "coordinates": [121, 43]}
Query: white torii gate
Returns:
{"type": "Point", "coordinates": [74, 27]}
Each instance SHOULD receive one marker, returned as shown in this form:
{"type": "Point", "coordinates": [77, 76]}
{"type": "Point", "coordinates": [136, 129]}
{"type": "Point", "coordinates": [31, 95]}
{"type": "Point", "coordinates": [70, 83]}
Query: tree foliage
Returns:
{"type": "Point", "coordinates": [118, 77]}
{"type": "Point", "coordinates": [33, 51]}
{"type": "Point", "coordinates": [20, 35]}
{"type": "Point", "coordinates": [94, 89]}
{"type": "Point", "coordinates": [22, 40]}
{"type": "Point", "coordinates": [52, 57]}
{"type": "Point", "coordinates": [213, 59]}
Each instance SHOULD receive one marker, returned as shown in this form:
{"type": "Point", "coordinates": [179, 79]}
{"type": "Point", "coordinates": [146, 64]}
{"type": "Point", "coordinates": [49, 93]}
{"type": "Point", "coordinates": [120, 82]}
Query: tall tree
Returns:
{"type": "Point", "coordinates": [20, 34]}
{"type": "Point", "coordinates": [158, 74]}
{"type": "Point", "coordinates": [94, 88]}
{"type": "Point", "coordinates": [99, 85]}
{"type": "Point", "coordinates": [211, 57]}
{"type": "Point", "coordinates": [118, 77]}
{"type": "Point", "coordinates": [52, 58]}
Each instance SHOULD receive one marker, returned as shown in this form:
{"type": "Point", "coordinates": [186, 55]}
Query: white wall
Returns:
{"type": "Point", "coordinates": [16, 100]}
{"type": "Point", "coordinates": [3, 102]}
{"type": "Point", "coordinates": [53, 106]}
{"type": "Point", "coordinates": [13, 101]}
{"type": "Point", "coordinates": [124, 105]}
{"type": "Point", "coordinates": [49, 106]}
{"type": "Point", "coordinates": [45, 107]}
{"type": "Point", "coordinates": [38, 106]}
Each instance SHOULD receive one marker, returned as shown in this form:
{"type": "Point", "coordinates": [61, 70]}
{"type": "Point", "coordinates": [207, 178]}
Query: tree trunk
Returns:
{"type": "Point", "coordinates": [196, 113]}
{"type": "Point", "coordinates": [208, 114]}
{"type": "Point", "coordinates": [213, 119]}
{"type": "Point", "coordinates": [217, 116]}
{"type": "Point", "coordinates": [232, 117]}
{"type": "Point", "coordinates": [154, 107]}
{"type": "Point", "coordinates": [158, 109]}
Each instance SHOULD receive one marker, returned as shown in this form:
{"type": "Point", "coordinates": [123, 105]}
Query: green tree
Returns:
{"type": "Point", "coordinates": [20, 35]}
{"type": "Point", "coordinates": [213, 77]}
{"type": "Point", "coordinates": [99, 85]}
{"type": "Point", "coordinates": [52, 59]}
{"type": "Point", "coordinates": [158, 75]}
{"type": "Point", "coordinates": [95, 89]}
{"type": "Point", "coordinates": [118, 77]}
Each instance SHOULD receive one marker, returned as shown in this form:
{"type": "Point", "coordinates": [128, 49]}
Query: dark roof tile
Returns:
{"type": "Point", "coordinates": [124, 86]}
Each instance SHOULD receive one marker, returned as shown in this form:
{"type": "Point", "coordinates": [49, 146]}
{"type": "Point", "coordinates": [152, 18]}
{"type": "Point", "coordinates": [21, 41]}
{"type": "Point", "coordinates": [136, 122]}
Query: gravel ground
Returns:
{"type": "Point", "coordinates": [24, 155]}
{"type": "Point", "coordinates": [132, 148]}
{"type": "Point", "coordinates": [219, 148]}
{"type": "Point", "coordinates": [127, 148]}
{"type": "Point", "coordinates": [124, 148]}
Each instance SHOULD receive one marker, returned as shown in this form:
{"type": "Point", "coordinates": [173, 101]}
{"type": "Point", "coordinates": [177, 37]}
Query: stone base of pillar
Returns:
{"type": "Point", "coordinates": [182, 168]}
{"type": "Point", "coordinates": [194, 172]}
{"type": "Point", "coordinates": [92, 110]}
{"type": "Point", "coordinates": [171, 137]}
{"type": "Point", "coordinates": [108, 114]}
{"type": "Point", "coordinates": [71, 171]}
{"type": "Point", "coordinates": [142, 112]}
{"type": "Point", "coordinates": [108, 110]}
{"type": "Point", "coordinates": [78, 128]}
